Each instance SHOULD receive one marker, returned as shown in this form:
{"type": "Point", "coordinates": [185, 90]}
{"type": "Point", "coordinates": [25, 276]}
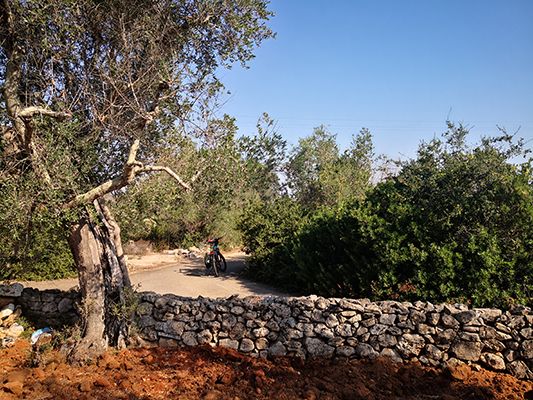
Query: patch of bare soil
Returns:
{"type": "Point", "coordinates": [220, 373]}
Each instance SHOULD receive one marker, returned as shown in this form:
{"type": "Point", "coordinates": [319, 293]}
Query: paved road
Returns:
{"type": "Point", "coordinates": [185, 278]}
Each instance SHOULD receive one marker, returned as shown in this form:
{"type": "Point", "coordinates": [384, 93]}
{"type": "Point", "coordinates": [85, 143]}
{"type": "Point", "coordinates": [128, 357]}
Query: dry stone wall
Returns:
{"type": "Point", "coordinates": [317, 327]}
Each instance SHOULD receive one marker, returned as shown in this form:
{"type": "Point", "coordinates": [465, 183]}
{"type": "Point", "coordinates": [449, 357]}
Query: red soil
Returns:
{"type": "Point", "coordinates": [220, 373]}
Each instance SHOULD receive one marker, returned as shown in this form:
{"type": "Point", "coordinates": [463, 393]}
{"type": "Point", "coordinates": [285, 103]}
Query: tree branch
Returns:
{"type": "Point", "coordinates": [168, 171]}
{"type": "Point", "coordinates": [132, 169]}
{"type": "Point", "coordinates": [29, 112]}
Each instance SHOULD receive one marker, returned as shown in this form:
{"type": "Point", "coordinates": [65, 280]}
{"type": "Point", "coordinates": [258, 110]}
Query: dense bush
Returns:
{"type": "Point", "coordinates": [267, 230]}
{"type": "Point", "coordinates": [453, 225]}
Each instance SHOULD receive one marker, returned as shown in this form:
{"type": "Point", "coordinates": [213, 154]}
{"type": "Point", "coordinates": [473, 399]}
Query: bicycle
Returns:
{"type": "Point", "coordinates": [214, 260]}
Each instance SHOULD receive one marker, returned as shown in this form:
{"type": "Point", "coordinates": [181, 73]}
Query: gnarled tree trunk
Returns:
{"type": "Point", "coordinates": [103, 276]}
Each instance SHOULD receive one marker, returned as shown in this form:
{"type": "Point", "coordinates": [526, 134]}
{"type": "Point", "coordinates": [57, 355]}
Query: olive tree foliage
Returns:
{"type": "Point", "coordinates": [235, 170]}
{"type": "Point", "coordinates": [91, 92]}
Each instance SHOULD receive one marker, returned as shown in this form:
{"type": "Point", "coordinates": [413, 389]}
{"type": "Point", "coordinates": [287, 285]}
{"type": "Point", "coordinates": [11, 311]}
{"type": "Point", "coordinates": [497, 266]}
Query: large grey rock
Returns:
{"type": "Point", "coordinates": [467, 351]}
{"type": "Point", "coordinates": [204, 337]}
{"type": "Point", "coordinates": [232, 344]}
{"type": "Point", "coordinates": [433, 352]}
{"type": "Point", "coordinates": [174, 328]}
{"type": "Point", "coordinates": [494, 361]}
{"type": "Point", "coordinates": [520, 370]}
{"type": "Point", "coordinates": [189, 339]}
{"type": "Point", "coordinates": [387, 340]}
{"type": "Point", "coordinates": [13, 290]}
{"type": "Point", "coordinates": [344, 330]}
{"type": "Point", "coordinates": [364, 350]}
{"type": "Point", "coordinates": [465, 317]}
{"type": "Point", "coordinates": [277, 350]}
{"type": "Point", "coordinates": [316, 348]}
{"type": "Point", "coordinates": [345, 351]}
{"type": "Point", "coordinates": [6, 311]}
{"type": "Point", "coordinates": [410, 345]}
{"type": "Point", "coordinates": [387, 319]}
{"type": "Point", "coordinates": [247, 345]}
{"type": "Point", "coordinates": [526, 349]}
{"type": "Point", "coordinates": [391, 355]}
{"type": "Point", "coordinates": [65, 305]}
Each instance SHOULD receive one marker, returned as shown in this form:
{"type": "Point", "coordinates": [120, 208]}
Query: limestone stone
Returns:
{"type": "Point", "coordinates": [494, 361]}
{"type": "Point", "coordinates": [238, 331]}
{"type": "Point", "coordinates": [516, 322]}
{"type": "Point", "coordinates": [378, 329]}
{"type": "Point", "coordinates": [519, 369]}
{"type": "Point", "coordinates": [526, 349]}
{"type": "Point", "coordinates": [316, 348]}
{"type": "Point", "coordinates": [277, 350]}
{"type": "Point", "coordinates": [449, 321]}
{"type": "Point", "coordinates": [469, 337]}
{"type": "Point", "coordinates": [391, 355]}
{"type": "Point", "coordinates": [410, 345]}
{"type": "Point", "coordinates": [446, 336]}
{"type": "Point", "coordinates": [247, 345]}
{"type": "Point", "coordinates": [465, 317]}
{"type": "Point", "coordinates": [527, 333]}
{"type": "Point", "coordinates": [387, 340]}
{"type": "Point", "coordinates": [189, 339]}
{"type": "Point", "coordinates": [228, 321]}
{"type": "Point", "coordinates": [323, 331]}
{"type": "Point", "coordinates": [433, 352]}
{"type": "Point", "coordinates": [417, 317]}
{"type": "Point", "coordinates": [424, 329]}
{"type": "Point", "coordinates": [387, 319]}
{"type": "Point", "coordinates": [7, 310]}
{"type": "Point", "coordinates": [174, 328]}
{"type": "Point", "coordinates": [332, 321]}
{"type": "Point", "coordinates": [149, 333]}
{"type": "Point", "coordinates": [237, 310]}
{"type": "Point", "coordinates": [13, 290]}
{"type": "Point", "coordinates": [494, 345]}
{"type": "Point", "coordinates": [520, 310]}
{"type": "Point", "coordinates": [364, 350]}
{"type": "Point", "coordinates": [344, 330]}
{"type": "Point", "coordinates": [65, 305]}
{"type": "Point", "coordinates": [345, 351]}
{"type": "Point", "coordinates": [294, 334]}
{"type": "Point", "coordinates": [232, 344]}
{"type": "Point", "coordinates": [261, 344]}
{"type": "Point", "coordinates": [468, 351]}
{"type": "Point", "coordinates": [204, 337]}
{"type": "Point", "coordinates": [260, 332]}
{"type": "Point", "coordinates": [510, 355]}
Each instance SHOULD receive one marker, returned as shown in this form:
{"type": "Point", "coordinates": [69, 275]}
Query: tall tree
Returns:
{"type": "Point", "coordinates": [318, 174]}
{"type": "Point", "coordinates": [91, 90]}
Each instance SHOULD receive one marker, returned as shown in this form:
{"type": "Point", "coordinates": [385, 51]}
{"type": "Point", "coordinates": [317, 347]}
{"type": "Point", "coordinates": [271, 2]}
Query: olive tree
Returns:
{"type": "Point", "coordinates": [91, 91]}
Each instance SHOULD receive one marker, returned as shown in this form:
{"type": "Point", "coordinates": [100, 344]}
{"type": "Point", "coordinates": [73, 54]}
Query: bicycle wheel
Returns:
{"type": "Point", "coordinates": [215, 264]}
{"type": "Point", "coordinates": [222, 263]}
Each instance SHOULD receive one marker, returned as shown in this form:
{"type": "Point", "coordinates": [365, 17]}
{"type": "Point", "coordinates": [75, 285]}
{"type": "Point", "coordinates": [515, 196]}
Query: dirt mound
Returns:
{"type": "Point", "coordinates": [220, 373]}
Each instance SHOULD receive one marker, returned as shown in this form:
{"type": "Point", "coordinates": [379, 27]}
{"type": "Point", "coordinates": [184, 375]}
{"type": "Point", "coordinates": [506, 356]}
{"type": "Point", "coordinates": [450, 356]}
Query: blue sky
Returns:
{"type": "Point", "coordinates": [398, 68]}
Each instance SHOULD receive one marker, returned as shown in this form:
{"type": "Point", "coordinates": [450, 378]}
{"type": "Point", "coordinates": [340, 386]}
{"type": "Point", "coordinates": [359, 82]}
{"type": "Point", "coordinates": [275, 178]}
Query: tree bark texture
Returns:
{"type": "Point", "coordinates": [103, 276]}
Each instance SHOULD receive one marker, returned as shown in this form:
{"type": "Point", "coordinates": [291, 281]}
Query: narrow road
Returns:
{"type": "Point", "coordinates": [187, 278]}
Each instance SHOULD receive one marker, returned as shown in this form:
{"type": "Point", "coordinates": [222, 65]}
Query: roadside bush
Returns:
{"type": "Point", "coordinates": [267, 229]}
{"type": "Point", "coordinates": [453, 226]}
